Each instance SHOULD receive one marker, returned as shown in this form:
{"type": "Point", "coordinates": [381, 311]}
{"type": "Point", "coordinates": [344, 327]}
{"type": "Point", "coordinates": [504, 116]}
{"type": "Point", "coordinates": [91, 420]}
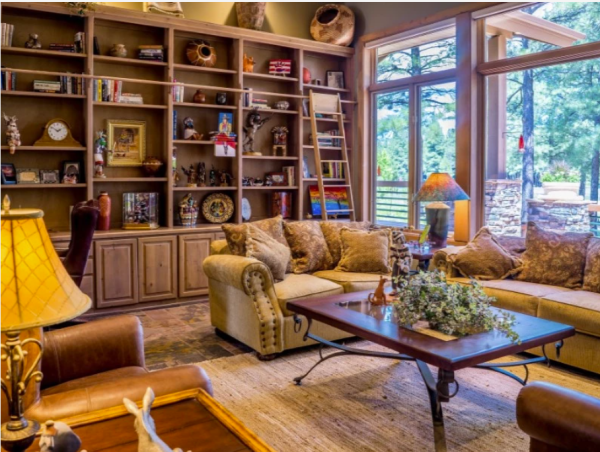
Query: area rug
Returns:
{"type": "Point", "coordinates": [356, 404]}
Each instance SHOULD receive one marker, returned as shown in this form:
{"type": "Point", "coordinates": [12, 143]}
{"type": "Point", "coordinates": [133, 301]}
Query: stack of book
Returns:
{"type": "Point", "coordinates": [72, 85]}
{"type": "Point", "coordinates": [291, 175]}
{"type": "Point", "coordinates": [260, 103]}
{"type": "Point", "coordinates": [131, 98]}
{"type": "Point", "coordinates": [80, 42]}
{"type": "Point", "coordinates": [177, 92]}
{"type": "Point", "coordinates": [7, 35]}
{"type": "Point", "coordinates": [326, 140]}
{"type": "Point", "coordinates": [333, 170]}
{"type": "Point", "coordinates": [9, 80]}
{"type": "Point", "coordinates": [151, 53]}
{"type": "Point", "coordinates": [47, 86]}
{"type": "Point", "coordinates": [107, 90]}
{"type": "Point", "coordinates": [69, 48]}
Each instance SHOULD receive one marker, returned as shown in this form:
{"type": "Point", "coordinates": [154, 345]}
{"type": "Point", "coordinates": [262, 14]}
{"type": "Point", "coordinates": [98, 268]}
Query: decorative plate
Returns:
{"type": "Point", "coordinates": [246, 209]}
{"type": "Point", "coordinates": [217, 208]}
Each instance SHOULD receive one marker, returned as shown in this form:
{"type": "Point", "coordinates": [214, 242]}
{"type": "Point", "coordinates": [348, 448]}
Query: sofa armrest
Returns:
{"type": "Point", "coordinates": [236, 271]}
{"type": "Point", "coordinates": [90, 348]}
{"type": "Point", "coordinates": [219, 247]}
{"type": "Point", "coordinates": [442, 262]}
{"type": "Point", "coordinates": [559, 417]}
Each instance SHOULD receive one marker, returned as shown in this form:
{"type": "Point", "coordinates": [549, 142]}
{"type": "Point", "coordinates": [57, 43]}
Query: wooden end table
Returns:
{"type": "Point", "coordinates": [422, 256]}
{"type": "Point", "coordinates": [190, 420]}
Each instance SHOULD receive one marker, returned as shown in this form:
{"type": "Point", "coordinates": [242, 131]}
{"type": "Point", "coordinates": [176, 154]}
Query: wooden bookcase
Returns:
{"type": "Point", "coordinates": [56, 23]}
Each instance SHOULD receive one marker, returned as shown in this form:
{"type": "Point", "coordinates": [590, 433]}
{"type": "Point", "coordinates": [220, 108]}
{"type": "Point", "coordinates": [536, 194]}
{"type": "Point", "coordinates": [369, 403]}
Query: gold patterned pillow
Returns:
{"type": "Point", "coordinates": [309, 248]}
{"type": "Point", "coordinates": [266, 249]}
{"type": "Point", "coordinates": [553, 258]}
{"type": "Point", "coordinates": [591, 277]}
{"type": "Point", "coordinates": [484, 258]}
{"type": "Point", "coordinates": [331, 231]}
{"type": "Point", "coordinates": [365, 251]}
{"type": "Point", "coordinates": [235, 234]}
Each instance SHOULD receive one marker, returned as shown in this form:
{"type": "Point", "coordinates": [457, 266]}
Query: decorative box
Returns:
{"type": "Point", "coordinates": [140, 211]}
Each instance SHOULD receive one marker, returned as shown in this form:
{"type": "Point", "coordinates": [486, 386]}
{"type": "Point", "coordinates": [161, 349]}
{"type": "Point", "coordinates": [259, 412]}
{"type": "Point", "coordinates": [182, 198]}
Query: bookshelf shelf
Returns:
{"type": "Point", "coordinates": [37, 94]}
{"type": "Point", "coordinates": [272, 111]}
{"type": "Point", "coordinates": [204, 188]}
{"type": "Point", "coordinates": [41, 186]}
{"type": "Point", "coordinates": [40, 52]}
{"type": "Point", "coordinates": [280, 188]}
{"type": "Point", "coordinates": [128, 61]}
{"type": "Point", "coordinates": [275, 78]}
{"type": "Point", "coordinates": [194, 142]}
{"type": "Point", "coordinates": [47, 148]}
{"type": "Point", "coordinates": [268, 157]}
{"type": "Point", "coordinates": [110, 180]}
{"type": "Point", "coordinates": [124, 105]}
{"type": "Point", "coordinates": [213, 106]}
{"type": "Point", "coordinates": [330, 89]}
{"type": "Point", "coordinates": [208, 70]}
{"type": "Point", "coordinates": [307, 118]}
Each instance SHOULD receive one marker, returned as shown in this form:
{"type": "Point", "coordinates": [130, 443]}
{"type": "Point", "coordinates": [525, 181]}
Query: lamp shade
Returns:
{"type": "Point", "coordinates": [440, 187]}
{"type": "Point", "coordinates": [36, 288]}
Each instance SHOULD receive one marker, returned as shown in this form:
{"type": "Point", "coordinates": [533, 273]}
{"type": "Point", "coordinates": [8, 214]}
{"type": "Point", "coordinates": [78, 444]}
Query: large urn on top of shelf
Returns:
{"type": "Point", "coordinates": [250, 14]}
{"type": "Point", "coordinates": [333, 24]}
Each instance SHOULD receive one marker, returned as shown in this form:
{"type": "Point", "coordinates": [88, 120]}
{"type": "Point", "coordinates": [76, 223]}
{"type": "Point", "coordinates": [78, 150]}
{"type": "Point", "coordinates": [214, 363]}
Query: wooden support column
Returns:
{"type": "Point", "coordinates": [496, 113]}
{"type": "Point", "coordinates": [364, 156]}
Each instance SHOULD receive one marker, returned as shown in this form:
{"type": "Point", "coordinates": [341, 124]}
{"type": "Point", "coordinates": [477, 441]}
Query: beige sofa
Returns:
{"type": "Point", "coordinates": [578, 308]}
{"type": "Point", "coordinates": [248, 305]}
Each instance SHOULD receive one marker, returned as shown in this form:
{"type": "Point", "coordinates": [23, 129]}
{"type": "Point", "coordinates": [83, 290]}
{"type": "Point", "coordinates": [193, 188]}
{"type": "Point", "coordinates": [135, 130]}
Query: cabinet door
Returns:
{"type": "Point", "coordinates": [158, 268]}
{"type": "Point", "coordinates": [193, 249]}
{"type": "Point", "coordinates": [116, 272]}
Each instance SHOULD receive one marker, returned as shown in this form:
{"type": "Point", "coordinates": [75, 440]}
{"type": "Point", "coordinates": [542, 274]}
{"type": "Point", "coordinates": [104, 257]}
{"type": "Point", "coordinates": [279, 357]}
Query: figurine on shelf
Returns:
{"type": "Point", "coordinates": [280, 137]}
{"type": "Point", "coordinates": [188, 210]}
{"type": "Point", "coordinates": [199, 97]}
{"type": "Point", "coordinates": [225, 178]}
{"type": "Point", "coordinates": [258, 182]}
{"type": "Point", "coordinates": [33, 42]}
{"type": "Point", "coordinates": [189, 133]}
{"type": "Point", "coordinates": [13, 136]}
{"type": "Point", "coordinates": [212, 177]}
{"type": "Point", "coordinates": [247, 181]}
{"type": "Point", "coordinates": [192, 176]}
{"type": "Point", "coordinates": [268, 181]}
{"type": "Point", "coordinates": [253, 125]}
{"type": "Point", "coordinates": [201, 174]}
{"type": "Point", "coordinates": [118, 51]}
{"type": "Point", "coordinates": [99, 148]}
{"type": "Point", "coordinates": [174, 167]}
{"type": "Point", "coordinates": [248, 64]}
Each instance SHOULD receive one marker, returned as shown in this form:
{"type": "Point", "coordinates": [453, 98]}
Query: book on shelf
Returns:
{"type": "Point", "coordinates": [326, 140]}
{"type": "Point", "coordinates": [291, 175]}
{"type": "Point", "coordinates": [7, 34]}
{"type": "Point", "coordinates": [151, 52]}
{"type": "Point", "coordinates": [177, 92]}
{"type": "Point", "coordinates": [108, 90]}
{"type": "Point", "coordinates": [332, 170]}
{"type": "Point", "coordinates": [69, 48]}
{"type": "Point", "coordinates": [248, 97]}
{"type": "Point", "coordinates": [80, 42]}
{"type": "Point", "coordinates": [130, 98]}
{"type": "Point", "coordinates": [9, 81]}
{"type": "Point", "coordinates": [174, 124]}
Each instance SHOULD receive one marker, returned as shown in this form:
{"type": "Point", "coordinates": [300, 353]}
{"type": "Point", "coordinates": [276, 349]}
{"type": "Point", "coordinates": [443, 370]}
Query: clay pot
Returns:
{"type": "Point", "coordinates": [282, 105]}
{"type": "Point", "coordinates": [118, 50]}
{"type": "Point", "coordinates": [306, 75]}
{"type": "Point", "coordinates": [250, 14]}
{"type": "Point", "coordinates": [333, 24]}
{"type": "Point", "coordinates": [104, 203]}
{"type": "Point", "coordinates": [199, 97]}
{"type": "Point", "coordinates": [201, 53]}
{"type": "Point", "coordinates": [152, 166]}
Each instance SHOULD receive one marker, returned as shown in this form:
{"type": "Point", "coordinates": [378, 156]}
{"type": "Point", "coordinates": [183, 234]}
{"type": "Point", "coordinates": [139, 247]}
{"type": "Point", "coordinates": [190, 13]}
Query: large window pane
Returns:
{"type": "Point", "coordinates": [392, 134]}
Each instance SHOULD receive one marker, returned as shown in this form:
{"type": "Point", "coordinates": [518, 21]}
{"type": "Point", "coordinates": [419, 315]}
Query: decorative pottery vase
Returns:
{"type": "Point", "coordinates": [282, 105]}
{"type": "Point", "coordinates": [199, 97]}
{"type": "Point", "coordinates": [250, 14]}
{"type": "Point", "coordinates": [118, 50]}
{"type": "Point", "coordinates": [104, 203]}
{"type": "Point", "coordinates": [152, 166]}
{"type": "Point", "coordinates": [333, 24]}
{"type": "Point", "coordinates": [201, 53]}
{"type": "Point", "coordinates": [306, 75]}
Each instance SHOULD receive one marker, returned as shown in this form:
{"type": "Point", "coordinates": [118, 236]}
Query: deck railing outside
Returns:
{"type": "Point", "coordinates": [595, 223]}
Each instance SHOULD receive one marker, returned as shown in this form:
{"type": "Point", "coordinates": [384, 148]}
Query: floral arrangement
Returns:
{"type": "Point", "coordinates": [560, 172]}
{"type": "Point", "coordinates": [453, 309]}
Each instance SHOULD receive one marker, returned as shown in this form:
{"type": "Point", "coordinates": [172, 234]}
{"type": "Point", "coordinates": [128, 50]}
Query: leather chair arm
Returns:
{"type": "Point", "coordinates": [110, 394]}
{"type": "Point", "coordinates": [237, 271]}
{"type": "Point", "coordinates": [62, 252]}
{"type": "Point", "coordinates": [441, 262]}
{"type": "Point", "coordinates": [559, 417]}
{"type": "Point", "coordinates": [91, 348]}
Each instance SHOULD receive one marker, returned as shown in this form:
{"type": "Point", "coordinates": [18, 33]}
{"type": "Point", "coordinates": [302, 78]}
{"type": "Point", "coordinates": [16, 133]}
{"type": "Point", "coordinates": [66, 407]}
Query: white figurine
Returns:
{"type": "Point", "coordinates": [148, 440]}
{"type": "Point", "coordinates": [58, 437]}
{"type": "Point", "coordinates": [13, 137]}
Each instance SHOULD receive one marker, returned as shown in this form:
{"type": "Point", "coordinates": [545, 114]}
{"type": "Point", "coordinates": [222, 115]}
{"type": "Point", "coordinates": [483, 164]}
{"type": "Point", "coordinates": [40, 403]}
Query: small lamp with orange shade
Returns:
{"type": "Point", "coordinates": [37, 291]}
{"type": "Point", "coordinates": [438, 189]}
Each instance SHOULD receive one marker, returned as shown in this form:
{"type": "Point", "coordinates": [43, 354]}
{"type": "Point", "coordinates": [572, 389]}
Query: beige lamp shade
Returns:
{"type": "Point", "coordinates": [36, 288]}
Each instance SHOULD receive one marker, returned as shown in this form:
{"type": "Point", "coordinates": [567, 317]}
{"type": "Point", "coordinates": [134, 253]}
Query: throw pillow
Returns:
{"type": "Point", "coordinates": [553, 258]}
{"type": "Point", "coordinates": [591, 277]}
{"type": "Point", "coordinates": [331, 231]}
{"type": "Point", "coordinates": [364, 251]}
{"type": "Point", "coordinates": [484, 258]}
{"type": "Point", "coordinates": [309, 248]}
{"type": "Point", "coordinates": [514, 245]}
{"type": "Point", "coordinates": [266, 249]}
{"type": "Point", "coordinates": [235, 234]}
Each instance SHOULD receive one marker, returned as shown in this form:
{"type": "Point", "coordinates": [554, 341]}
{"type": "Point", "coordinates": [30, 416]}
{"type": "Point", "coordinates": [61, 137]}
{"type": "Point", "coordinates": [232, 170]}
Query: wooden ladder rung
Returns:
{"type": "Point", "coordinates": [339, 137]}
{"type": "Point", "coordinates": [334, 161]}
{"type": "Point", "coordinates": [330, 113]}
{"type": "Point", "coordinates": [338, 186]}
{"type": "Point", "coordinates": [340, 211]}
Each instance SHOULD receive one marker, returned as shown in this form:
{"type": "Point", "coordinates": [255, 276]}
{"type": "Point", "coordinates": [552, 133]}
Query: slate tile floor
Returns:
{"type": "Point", "coordinates": [183, 335]}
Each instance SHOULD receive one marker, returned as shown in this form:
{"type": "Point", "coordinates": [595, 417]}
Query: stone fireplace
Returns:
{"type": "Point", "coordinates": [503, 206]}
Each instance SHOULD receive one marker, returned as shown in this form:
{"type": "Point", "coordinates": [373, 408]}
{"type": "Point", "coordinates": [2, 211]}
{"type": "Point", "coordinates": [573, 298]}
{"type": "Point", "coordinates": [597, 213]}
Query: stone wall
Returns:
{"type": "Point", "coordinates": [503, 206]}
{"type": "Point", "coordinates": [562, 215]}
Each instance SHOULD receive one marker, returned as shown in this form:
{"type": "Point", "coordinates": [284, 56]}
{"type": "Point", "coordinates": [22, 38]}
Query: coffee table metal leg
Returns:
{"type": "Point", "coordinates": [436, 399]}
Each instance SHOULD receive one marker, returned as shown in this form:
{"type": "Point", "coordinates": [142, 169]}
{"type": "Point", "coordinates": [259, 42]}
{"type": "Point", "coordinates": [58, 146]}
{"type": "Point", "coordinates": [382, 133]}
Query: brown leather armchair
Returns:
{"type": "Point", "coordinates": [559, 419]}
{"type": "Point", "coordinates": [94, 365]}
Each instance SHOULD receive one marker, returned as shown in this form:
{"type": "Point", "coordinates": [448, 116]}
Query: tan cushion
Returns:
{"type": "Point", "coordinates": [298, 287]}
{"type": "Point", "coordinates": [484, 258]}
{"type": "Point", "coordinates": [309, 248]}
{"type": "Point", "coordinates": [235, 234]}
{"type": "Point", "coordinates": [518, 296]}
{"type": "Point", "coordinates": [514, 245]}
{"type": "Point", "coordinates": [365, 252]}
{"type": "Point", "coordinates": [219, 247]}
{"type": "Point", "coordinates": [351, 282]}
{"type": "Point", "coordinates": [580, 309]}
{"type": "Point", "coordinates": [331, 232]}
{"type": "Point", "coordinates": [591, 276]}
{"type": "Point", "coordinates": [554, 258]}
{"type": "Point", "coordinates": [261, 246]}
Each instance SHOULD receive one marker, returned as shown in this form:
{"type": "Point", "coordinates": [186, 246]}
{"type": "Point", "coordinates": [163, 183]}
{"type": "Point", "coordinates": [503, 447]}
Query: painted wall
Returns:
{"type": "Point", "coordinates": [288, 19]}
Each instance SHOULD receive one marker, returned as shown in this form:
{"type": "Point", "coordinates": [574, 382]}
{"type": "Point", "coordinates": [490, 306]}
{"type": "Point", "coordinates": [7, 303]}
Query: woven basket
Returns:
{"type": "Point", "coordinates": [333, 24]}
{"type": "Point", "coordinates": [188, 216]}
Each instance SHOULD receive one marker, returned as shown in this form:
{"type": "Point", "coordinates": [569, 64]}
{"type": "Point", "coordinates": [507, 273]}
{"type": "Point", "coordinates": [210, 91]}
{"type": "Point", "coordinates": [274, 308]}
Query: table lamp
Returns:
{"type": "Point", "coordinates": [37, 291]}
{"type": "Point", "coordinates": [438, 189]}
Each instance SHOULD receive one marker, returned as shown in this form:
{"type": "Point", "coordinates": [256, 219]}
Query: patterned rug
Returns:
{"type": "Point", "coordinates": [365, 404]}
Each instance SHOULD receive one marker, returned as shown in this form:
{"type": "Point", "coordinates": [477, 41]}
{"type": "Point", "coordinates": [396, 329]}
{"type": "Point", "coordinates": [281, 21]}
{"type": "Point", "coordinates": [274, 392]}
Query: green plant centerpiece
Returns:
{"type": "Point", "coordinates": [453, 309]}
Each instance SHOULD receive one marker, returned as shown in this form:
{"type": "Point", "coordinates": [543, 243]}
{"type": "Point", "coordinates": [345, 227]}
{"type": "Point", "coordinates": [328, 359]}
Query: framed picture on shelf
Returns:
{"type": "Point", "coordinates": [126, 142]}
{"type": "Point", "coordinates": [279, 179]}
{"type": "Point", "coordinates": [49, 176]}
{"type": "Point", "coordinates": [28, 176]}
{"type": "Point", "coordinates": [225, 123]}
{"type": "Point", "coordinates": [71, 172]}
{"type": "Point", "coordinates": [305, 170]}
{"type": "Point", "coordinates": [305, 109]}
{"type": "Point", "coordinates": [335, 79]}
{"type": "Point", "coordinates": [9, 174]}
{"type": "Point", "coordinates": [336, 198]}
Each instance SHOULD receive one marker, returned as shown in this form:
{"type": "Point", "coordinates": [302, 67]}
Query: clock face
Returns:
{"type": "Point", "coordinates": [58, 131]}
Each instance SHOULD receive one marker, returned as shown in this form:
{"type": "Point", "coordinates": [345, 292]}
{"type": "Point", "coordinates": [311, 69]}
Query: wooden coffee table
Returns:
{"type": "Point", "coordinates": [353, 314]}
{"type": "Point", "coordinates": [191, 420]}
